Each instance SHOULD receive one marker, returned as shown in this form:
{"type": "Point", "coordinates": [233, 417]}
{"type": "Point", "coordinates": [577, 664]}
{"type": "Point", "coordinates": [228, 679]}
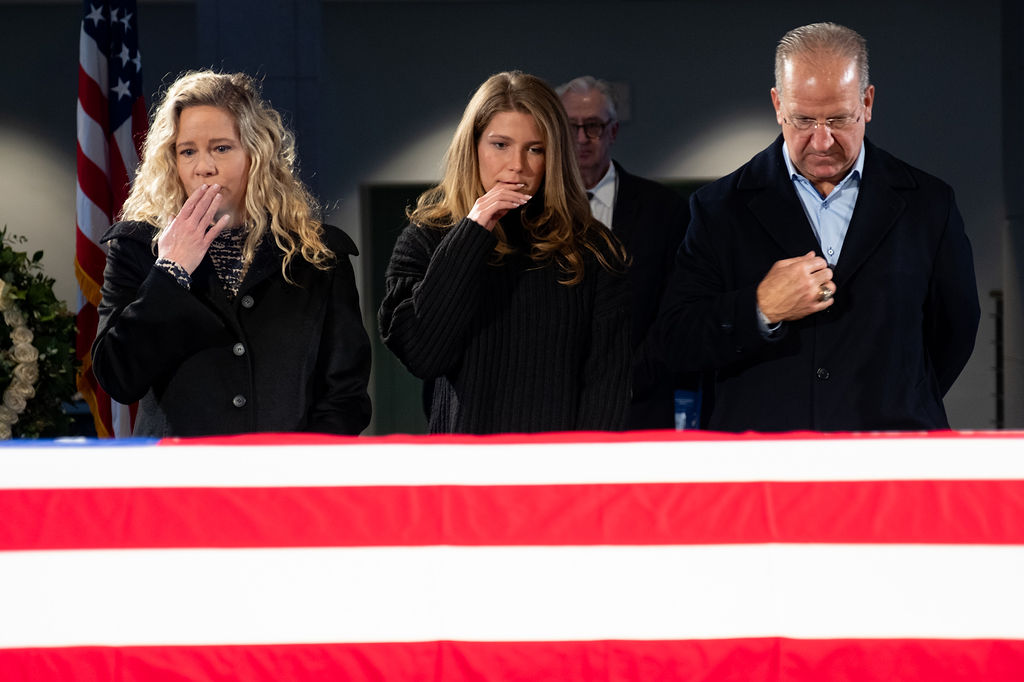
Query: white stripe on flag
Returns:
{"type": "Point", "coordinates": [92, 61]}
{"type": "Point", "coordinates": [365, 462]}
{"type": "Point", "coordinates": [509, 594]}
{"type": "Point", "coordinates": [92, 220]}
{"type": "Point", "coordinates": [126, 147]}
{"type": "Point", "coordinates": [91, 138]}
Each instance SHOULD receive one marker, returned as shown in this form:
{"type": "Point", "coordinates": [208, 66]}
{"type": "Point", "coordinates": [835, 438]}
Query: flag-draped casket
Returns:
{"type": "Point", "coordinates": [574, 557]}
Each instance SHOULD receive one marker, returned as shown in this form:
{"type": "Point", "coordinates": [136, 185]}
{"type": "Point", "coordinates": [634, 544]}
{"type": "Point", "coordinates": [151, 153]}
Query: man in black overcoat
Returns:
{"type": "Point", "coordinates": [650, 220]}
{"type": "Point", "coordinates": [828, 285]}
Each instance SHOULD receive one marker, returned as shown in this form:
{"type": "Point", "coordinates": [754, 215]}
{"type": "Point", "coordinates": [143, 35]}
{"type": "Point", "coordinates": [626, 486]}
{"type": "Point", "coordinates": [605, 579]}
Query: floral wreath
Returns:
{"type": "Point", "coordinates": [38, 366]}
{"type": "Point", "coordinates": [26, 372]}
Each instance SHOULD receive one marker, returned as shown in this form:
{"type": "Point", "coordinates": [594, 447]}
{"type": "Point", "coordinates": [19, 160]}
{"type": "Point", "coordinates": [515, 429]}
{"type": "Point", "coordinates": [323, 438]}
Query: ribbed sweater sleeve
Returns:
{"type": "Point", "coordinates": [433, 289]}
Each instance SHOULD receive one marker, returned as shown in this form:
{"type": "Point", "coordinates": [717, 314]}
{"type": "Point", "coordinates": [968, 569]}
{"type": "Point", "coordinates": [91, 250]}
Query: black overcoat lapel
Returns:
{"type": "Point", "coordinates": [627, 206]}
{"type": "Point", "coordinates": [879, 206]}
{"type": "Point", "coordinates": [770, 196]}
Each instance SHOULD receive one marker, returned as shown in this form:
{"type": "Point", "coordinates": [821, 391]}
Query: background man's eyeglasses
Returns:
{"type": "Point", "coordinates": [592, 130]}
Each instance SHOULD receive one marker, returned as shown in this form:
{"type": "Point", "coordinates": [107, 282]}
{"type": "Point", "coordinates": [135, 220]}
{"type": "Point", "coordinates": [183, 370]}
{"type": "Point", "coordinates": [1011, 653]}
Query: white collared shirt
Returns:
{"type": "Point", "coordinates": [602, 196]}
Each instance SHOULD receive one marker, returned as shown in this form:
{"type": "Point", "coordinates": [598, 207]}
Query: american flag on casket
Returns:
{"type": "Point", "coordinates": [578, 557]}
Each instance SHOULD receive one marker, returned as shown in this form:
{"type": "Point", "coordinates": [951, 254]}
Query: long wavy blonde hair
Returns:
{"type": "Point", "coordinates": [275, 198]}
{"type": "Point", "coordinates": [564, 228]}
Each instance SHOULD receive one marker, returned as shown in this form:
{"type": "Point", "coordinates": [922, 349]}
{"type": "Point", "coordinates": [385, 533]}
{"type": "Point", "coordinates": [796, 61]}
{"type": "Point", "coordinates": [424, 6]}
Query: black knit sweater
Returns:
{"type": "Point", "coordinates": [510, 349]}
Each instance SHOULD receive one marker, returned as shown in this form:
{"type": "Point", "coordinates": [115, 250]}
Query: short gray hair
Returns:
{"type": "Point", "coordinates": [823, 38]}
{"type": "Point", "coordinates": [586, 84]}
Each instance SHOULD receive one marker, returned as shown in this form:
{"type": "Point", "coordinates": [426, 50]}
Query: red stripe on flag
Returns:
{"type": "Point", "coordinates": [91, 260]}
{"type": "Point", "coordinates": [750, 660]}
{"type": "Point", "coordinates": [92, 98]}
{"type": "Point", "coordinates": [945, 512]}
{"type": "Point", "coordinates": [93, 181]}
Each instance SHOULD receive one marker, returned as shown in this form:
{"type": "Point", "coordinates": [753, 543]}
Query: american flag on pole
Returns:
{"type": "Point", "coordinates": [578, 558]}
{"type": "Point", "coordinates": [111, 128]}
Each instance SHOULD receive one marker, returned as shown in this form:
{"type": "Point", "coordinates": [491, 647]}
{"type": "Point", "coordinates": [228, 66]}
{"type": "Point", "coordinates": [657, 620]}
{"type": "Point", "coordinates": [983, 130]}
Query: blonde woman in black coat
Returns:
{"type": "Point", "coordinates": [227, 306]}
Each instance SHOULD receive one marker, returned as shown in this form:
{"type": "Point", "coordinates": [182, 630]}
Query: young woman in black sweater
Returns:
{"type": "Point", "coordinates": [503, 291]}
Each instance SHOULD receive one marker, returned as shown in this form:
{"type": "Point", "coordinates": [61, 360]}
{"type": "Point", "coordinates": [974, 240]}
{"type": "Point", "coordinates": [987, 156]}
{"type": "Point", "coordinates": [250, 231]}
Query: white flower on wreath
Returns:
{"type": "Point", "coordinates": [25, 352]}
{"type": "Point", "coordinates": [7, 417]}
{"type": "Point", "coordinates": [13, 316]}
{"type": "Point", "coordinates": [26, 372]}
{"type": "Point", "coordinates": [23, 389]}
{"type": "Point", "coordinates": [15, 401]}
{"type": "Point", "coordinates": [22, 335]}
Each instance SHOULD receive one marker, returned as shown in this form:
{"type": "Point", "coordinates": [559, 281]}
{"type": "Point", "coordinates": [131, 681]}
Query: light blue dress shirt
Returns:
{"type": "Point", "coordinates": [829, 216]}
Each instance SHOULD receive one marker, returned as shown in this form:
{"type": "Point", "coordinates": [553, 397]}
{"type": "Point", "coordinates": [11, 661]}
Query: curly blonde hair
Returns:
{"type": "Point", "coordinates": [275, 198]}
{"type": "Point", "coordinates": [564, 228]}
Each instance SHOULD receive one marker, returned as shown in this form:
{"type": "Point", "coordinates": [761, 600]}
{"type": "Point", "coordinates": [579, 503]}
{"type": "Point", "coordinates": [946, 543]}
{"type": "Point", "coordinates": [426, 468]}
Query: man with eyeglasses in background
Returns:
{"type": "Point", "coordinates": [650, 220]}
{"type": "Point", "coordinates": [828, 285]}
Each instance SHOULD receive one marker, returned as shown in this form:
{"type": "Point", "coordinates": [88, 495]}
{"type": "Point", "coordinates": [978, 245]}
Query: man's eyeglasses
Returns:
{"type": "Point", "coordinates": [805, 123]}
{"type": "Point", "coordinates": [592, 129]}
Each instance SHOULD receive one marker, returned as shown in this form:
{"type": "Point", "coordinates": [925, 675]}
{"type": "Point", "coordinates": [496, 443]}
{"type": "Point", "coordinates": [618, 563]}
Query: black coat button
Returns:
{"type": "Point", "coordinates": [248, 301]}
{"type": "Point", "coordinates": [238, 401]}
{"type": "Point", "coordinates": [238, 349]}
{"type": "Point", "coordinates": [822, 373]}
